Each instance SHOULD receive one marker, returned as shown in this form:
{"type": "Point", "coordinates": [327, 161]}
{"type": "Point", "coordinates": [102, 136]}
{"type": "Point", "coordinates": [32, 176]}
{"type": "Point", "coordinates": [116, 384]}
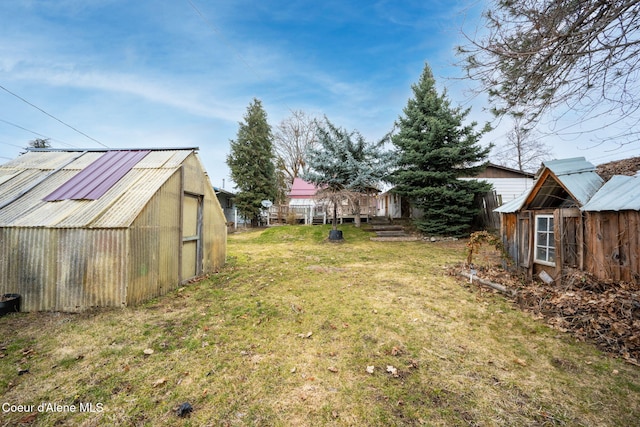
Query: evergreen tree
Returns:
{"type": "Point", "coordinates": [251, 161]}
{"type": "Point", "coordinates": [434, 149]}
{"type": "Point", "coordinates": [344, 165]}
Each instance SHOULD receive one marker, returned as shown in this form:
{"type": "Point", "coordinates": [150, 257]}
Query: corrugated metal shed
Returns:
{"type": "Point", "coordinates": [157, 224]}
{"type": "Point", "coordinates": [618, 194]}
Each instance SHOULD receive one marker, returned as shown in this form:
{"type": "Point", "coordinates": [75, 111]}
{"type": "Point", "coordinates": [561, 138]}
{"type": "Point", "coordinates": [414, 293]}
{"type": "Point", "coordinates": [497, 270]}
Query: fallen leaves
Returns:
{"type": "Point", "coordinates": [159, 382]}
{"type": "Point", "coordinates": [607, 314]}
{"type": "Point", "coordinates": [392, 370]}
{"type": "Point", "coordinates": [520, 362]}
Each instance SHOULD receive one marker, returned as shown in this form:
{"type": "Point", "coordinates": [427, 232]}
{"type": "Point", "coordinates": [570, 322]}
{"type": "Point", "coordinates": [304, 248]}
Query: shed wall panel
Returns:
{"type": "Point", "coordinates": [28, 267]}
{"type": "Point", "coordinates": [194, 176]}
{"type": "Point", "coordinates": [508, 231]}
{"type": "Point", "coordinates": [613, 245]}
{"type": "Point", "coordinates": [633, 224]}
{"type": "Point", "coordinates": [62, 269]}
{"type": "Point", "coordinates": [154, 245]}
{"type": "Point", "coordinates": [91, 268]}
{"type": "Point", "coordinates": [214, 232]}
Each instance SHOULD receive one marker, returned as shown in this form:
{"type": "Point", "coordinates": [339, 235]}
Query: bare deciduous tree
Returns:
{"type": "Point", "coordinates": [524, 149]}
{"type": "Point", "coordinates": [533, 56]}
{"type": "Point", "coordinates": [292, 138]}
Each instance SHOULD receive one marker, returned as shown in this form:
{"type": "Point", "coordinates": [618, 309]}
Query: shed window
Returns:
{"type": "Point", "coordinates": [545, 243]}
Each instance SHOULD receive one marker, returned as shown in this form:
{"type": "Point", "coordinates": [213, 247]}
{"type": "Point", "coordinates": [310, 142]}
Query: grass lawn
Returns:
{"type": "Point", "coordinates": [297, 331]}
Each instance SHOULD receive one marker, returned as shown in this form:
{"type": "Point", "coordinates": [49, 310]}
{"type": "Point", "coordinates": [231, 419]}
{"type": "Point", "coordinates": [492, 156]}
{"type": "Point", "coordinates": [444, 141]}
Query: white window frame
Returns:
{"type": "Point", "coordinates": [544, 245]}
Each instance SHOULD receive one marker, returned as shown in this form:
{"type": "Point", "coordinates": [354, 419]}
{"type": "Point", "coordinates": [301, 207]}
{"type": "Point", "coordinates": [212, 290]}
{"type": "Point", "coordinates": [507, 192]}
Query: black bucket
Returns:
{"type": "Point", "coordinates": [335, 235]}
{"type": "Point", "coordinates": [9, 303]}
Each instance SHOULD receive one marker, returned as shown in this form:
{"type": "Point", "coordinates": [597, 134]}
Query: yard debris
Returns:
{"type": "Point", "coordinates": [184, 410]}
{"type": "Point", "coordinates": [159, 382]}
{"type": "Point", "coordinates": [370, 369]}
{"type": "Point", "coordinates": [148, 351]}
{"type": "Point", "coordinates": [307, 335]}
{"type": "Point", "coordinates": [393, 371]}
{"type": "Point", "coordinates": [332, 369]}
{"type": "Point", "coordinates": [520, 362]}
{"type": "Point", "coordinates": [605, 313]}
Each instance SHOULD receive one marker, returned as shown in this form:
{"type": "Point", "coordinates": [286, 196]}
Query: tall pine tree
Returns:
{"type": "Point", "coordinates": [251, 161]}
{"type": "Point", "coordinates": [434, 148]}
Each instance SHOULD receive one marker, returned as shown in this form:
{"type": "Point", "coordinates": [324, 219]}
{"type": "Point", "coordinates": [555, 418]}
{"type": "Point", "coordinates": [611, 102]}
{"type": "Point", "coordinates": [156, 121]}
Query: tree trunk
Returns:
{"type": "Point", "coordinates": [356, 205]}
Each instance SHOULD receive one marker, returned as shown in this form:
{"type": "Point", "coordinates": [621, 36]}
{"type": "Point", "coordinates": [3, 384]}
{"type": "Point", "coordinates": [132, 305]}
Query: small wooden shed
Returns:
{"type": "Point", "coordinates": [105, 228]}
{"type": "Point", "coordinates": [612, 222]}
{"type": "Point", "coordinates": [543, 229]}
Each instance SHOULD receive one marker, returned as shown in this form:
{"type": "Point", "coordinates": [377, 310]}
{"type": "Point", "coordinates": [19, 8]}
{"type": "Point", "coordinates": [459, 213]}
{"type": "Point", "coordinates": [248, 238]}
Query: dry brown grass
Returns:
{"type": "Point", "coordinates": [284, 334]}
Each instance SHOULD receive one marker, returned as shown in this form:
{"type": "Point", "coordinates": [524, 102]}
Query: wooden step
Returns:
{"type": "Point", "coordinates": [390, 233]}
{"type": "Point", "coordinates": [389, 227]}
{"type": "Point", "coordinates": [395, 239]}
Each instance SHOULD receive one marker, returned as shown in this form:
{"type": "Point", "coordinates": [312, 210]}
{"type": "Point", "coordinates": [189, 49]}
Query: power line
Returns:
{"type": "Point", "coordinates": [36, 133]}
{"type": "Point", "coordinates": [13, 145]}
{"type": "Point", "coordinates": [53, 117]}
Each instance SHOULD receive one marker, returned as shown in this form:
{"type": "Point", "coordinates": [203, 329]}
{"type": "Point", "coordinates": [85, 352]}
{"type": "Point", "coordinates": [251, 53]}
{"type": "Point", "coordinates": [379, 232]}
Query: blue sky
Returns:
{"type": "Point", "coordinates": [176, 73]}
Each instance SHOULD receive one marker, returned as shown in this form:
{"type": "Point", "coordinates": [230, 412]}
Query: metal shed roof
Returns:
{"type": "Point", "coordinates": [28, 179]}
{"type": "Point", "coordinates": [618, 194]}
{"type": "Point", "coordinates": [514, 205]}
{"type": "Point", "coordinates": [96, 179]}
{"type": "Point", "coordinates": [569, 166]}
{"type": "Point", "coordinates": [576, 175]}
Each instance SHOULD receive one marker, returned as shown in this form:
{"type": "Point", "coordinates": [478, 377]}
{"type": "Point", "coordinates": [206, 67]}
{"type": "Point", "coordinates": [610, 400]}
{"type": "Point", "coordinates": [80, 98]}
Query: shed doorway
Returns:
{"type": "Point", "coordinates": [191, 236]}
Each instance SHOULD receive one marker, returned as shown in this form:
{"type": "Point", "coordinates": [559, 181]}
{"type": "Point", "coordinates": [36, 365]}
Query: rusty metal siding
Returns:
{"type": "Point", "coordinates": [28, 267]}
{"type": "Point", "coordinates": [154, 245]}
{"type": "Point", "coordinates": [91, 266]}
{"type": "Point", "coordinates": [214, 229]}
{"type": "Point", "coordinates": [63, 269]}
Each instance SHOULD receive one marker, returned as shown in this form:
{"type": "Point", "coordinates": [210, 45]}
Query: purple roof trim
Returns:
{"type": "Point", "coordinates": [97, 178]}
